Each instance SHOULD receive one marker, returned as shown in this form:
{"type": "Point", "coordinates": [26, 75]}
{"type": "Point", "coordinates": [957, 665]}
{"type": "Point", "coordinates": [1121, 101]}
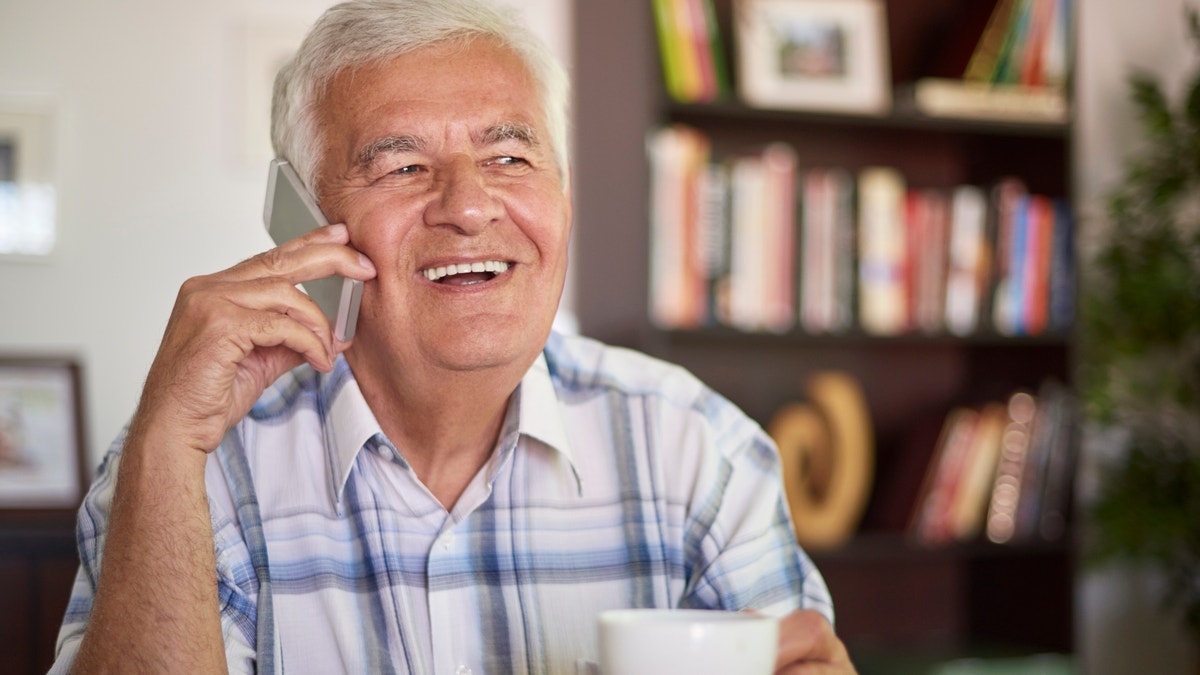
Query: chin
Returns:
{"type": "Point", "coordinates": [515, 346]}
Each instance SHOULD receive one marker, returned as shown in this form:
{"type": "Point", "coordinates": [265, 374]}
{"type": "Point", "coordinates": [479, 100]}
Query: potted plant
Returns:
{"type": "Point", "coordinates": [1140, 348]}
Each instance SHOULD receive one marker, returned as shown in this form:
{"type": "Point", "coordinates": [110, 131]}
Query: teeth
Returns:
{"type": "Point", "coordinates": [493, 266]}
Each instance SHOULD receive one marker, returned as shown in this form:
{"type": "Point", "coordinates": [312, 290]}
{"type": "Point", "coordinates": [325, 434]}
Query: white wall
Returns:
{"type": "Point", "coordinates": [1120, 626]}
{"type": "Point", "coordinates": [155, 180]}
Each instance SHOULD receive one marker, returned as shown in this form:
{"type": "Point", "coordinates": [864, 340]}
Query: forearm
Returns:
{"type": "Point", "coordinates": [156, 607]}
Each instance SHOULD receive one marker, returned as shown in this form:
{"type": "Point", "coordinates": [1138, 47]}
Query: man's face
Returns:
{"type": "Point", "coordinates": [440, 160]}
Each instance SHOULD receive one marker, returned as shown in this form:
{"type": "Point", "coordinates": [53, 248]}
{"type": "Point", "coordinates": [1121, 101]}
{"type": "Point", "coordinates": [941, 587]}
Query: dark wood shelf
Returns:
{"type": "Point", "coordinates": [902, 117]}
{"type": "Point", "coordinates": [796, 337]}
{"type": "Point", "coordinates": [893, 595]}
{"type": "Point", "coordinates": [896, 546]}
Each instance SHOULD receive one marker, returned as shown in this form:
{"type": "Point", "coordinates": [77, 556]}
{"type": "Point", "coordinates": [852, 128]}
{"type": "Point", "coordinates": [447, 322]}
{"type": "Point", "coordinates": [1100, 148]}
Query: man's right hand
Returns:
{"type": "Point", "coordinates": [230, 336]}
{"type": "Point", "coordinates": [233, 333]}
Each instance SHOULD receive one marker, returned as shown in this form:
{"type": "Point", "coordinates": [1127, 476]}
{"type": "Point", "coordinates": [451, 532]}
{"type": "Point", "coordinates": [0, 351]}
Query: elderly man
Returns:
{"type": "Point", "coordinates": [460, 489]}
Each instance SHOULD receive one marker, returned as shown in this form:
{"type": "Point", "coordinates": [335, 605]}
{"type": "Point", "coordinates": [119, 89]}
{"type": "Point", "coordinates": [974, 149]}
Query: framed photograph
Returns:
{"type": "Point", "coordinates": [820, 55]}
{"type": "Point", "coordinates": [42, 455]}
{"type": "Point", "coordinates": [27, 185]}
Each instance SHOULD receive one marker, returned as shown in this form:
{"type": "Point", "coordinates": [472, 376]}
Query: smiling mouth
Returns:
{"type": "Point", "coordinates": [463, 274]}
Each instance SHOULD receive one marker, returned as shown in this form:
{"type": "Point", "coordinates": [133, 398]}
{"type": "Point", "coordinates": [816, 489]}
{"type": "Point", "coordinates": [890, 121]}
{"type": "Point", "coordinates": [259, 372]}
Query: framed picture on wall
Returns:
{"type": "Point", "coordinates": [27, 183]}
{"type": "Point", "coordinates": [819, 55]}
{"type": "Point", "coordinates": [42, 455]}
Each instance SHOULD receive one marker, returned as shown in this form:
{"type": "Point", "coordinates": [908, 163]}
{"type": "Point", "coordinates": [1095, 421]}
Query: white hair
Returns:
{"type": "Point", "coordinates": [361, 32]}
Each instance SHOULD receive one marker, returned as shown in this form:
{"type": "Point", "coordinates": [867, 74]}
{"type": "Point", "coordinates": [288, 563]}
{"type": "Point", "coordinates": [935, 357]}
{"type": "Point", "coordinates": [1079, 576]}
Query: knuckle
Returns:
{"type": "Point", "coordinates": [274, 261]}
{"type": "Point", "coordinates": [192, 286]}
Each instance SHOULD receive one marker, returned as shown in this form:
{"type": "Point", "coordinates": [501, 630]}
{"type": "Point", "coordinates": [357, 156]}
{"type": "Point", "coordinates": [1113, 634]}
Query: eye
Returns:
{"type": "Point", "coordinates": [509, 161]}
{"type": "Point", "coordinates": [410, 169]}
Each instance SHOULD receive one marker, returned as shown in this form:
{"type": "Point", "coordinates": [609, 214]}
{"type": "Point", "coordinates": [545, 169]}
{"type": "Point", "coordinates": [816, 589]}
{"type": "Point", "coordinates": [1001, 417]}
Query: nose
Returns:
{"type": "Point", "coordinates": [463, 200]}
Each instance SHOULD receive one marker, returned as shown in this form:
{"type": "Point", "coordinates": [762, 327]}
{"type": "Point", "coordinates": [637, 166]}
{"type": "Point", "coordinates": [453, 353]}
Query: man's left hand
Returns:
{"type": "Point", "coordinates": [808, 646]}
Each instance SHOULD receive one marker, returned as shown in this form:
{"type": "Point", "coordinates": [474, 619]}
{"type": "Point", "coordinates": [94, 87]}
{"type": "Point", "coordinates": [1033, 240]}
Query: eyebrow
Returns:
{"type": "Point", "coordinates": [389, 145]}
{"type": "Point", "coordinates": [508, 131]}
{"type": "Point", "coordinates": [492, 135]}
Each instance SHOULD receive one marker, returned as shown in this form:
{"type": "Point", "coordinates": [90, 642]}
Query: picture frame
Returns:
{"type": "Point", "coordinates": [814, 55]}
{"type": "Point", "coordinates": [43, 463]}
{"type": "Point", "coordinates": [28, 227]}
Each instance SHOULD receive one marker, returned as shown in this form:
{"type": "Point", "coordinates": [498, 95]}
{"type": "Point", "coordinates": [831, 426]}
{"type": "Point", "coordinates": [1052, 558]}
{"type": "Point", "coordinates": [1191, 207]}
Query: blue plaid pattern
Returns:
{"type": "Point", "coordinates": [617, 481]}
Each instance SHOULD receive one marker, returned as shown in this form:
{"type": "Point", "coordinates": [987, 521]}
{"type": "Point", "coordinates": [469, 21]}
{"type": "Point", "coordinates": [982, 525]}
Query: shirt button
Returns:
{"type": "Point", "coordinates": [447, 542]}
{"type": "Point", "coordinates": [462, 670]}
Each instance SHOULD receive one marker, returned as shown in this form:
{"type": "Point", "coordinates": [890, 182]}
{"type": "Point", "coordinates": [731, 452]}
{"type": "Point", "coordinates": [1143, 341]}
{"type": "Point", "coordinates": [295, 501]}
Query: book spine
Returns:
{"type": "Point", "coordinates": [668, 50]}
{"type": "Point", "coordinates": [881, 251]}
{"type": "Point", "coordinates": [967, 267]}
{"type": "Point", "coordinates": [987, 51]}
{"type": "Point", "coordinates": [778, 253]}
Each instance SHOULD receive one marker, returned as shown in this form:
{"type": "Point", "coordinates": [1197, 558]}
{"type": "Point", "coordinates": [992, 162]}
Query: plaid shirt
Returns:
{"type": "Point", "coordinates": [617, 481]}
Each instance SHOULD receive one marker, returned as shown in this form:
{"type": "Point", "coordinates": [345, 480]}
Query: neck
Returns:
{"type": "Point", "coordinates": [445, 423]}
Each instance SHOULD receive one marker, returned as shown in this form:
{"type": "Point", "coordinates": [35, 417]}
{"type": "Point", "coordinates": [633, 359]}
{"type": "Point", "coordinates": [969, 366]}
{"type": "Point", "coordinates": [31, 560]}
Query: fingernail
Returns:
{"type": "Point", "coordinates": [365, 262]}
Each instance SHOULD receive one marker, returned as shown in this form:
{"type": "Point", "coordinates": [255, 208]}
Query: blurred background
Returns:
{"type": "Point", "coordinates": [156, 147]}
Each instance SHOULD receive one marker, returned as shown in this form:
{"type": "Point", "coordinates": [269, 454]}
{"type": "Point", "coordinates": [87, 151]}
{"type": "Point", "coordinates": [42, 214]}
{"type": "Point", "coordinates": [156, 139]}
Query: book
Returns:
{"type": "Point", "coordinates": [690, 50]}
{"type": "Point", "coordinates": [968, 259]}
{"type": "Point", "coordinates": [1062, 269]}
{"type": "Point", "coordinates": [929, 226]}
{"type": "Point", "coordinates": [987, 50]}
{"type": "Point", "coordinates": [1062, 455]}
{"type": "Point", "coordinates": [969, 508]}
{"type": "Point", "coordinates": [668, 48]}
{"type": "Point", "coordinates": [1016, 37]}
{"type": "Point", "coordinates": [1006, 195]}
{"type": "Point", "coordinates": [828, 258]}
{"type": "Point", "coordinates": [1055, 57]}
{"type": "Point", "coordinates": [1049, 467]}
{"type": "Point", "coordinates": [713, 224]}
{"type": "Point", "coordinates": [1031, 69]}
{"type": "Point", "coordinates": [778, 253]}
{"type": "Point", "coordinates": [817, 252]}
{"type": "Point", "coordinates": [700, 75]}
{"type": "Point", "coordinates": [881, 251]}
{"type": "Point", "coordinates": [1007, 488]}
{"type": "Point", "coordinates": [1039, 257]}
{"type": "Point", "coordinates": [716, 45]}
{"type": "Point", "coordinates": [679, 157]}
{"type": "Point", "coordinates": [966, 99]}
{"type": "Point", "coordinates": [845, 257]}
{"type": "Point", "coordinates": [931, 522]}
{"type": "Point", "coordinates": [747, 283]}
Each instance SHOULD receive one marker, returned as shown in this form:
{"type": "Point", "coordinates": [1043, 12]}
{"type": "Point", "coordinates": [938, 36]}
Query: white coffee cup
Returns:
{"type": "Point", "coordinates": [692, 641]}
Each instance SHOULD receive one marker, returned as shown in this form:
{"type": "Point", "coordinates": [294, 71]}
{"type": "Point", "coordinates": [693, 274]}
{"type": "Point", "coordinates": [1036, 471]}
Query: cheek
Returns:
{"type": "Point", "coordinates": [546, 220]}
{"type": "Point", "coordinates": [377, 228]}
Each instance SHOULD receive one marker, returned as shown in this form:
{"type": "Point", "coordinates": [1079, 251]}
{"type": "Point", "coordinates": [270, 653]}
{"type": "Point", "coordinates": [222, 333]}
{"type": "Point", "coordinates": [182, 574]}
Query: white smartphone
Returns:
{"type": "Point", "coordinates": [291, 211]}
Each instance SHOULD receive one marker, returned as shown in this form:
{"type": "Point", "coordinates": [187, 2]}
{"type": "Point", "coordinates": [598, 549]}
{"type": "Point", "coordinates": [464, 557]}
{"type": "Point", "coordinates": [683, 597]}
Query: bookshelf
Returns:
{"type": "Point", "coordinates": [891, 594]}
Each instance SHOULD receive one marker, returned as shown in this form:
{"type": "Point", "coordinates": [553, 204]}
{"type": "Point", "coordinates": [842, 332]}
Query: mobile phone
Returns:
{"type": "Point", "coordinates": [291, 211]}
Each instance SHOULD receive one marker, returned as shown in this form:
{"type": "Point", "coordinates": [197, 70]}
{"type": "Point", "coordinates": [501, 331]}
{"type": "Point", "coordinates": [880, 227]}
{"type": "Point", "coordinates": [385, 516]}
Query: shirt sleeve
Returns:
{"type": "Point", "coordinates": [91, 528]}
{"type": "Point", "coordinates": [742, 537]}
{"type": "Point", "coordinates": [236, 593]}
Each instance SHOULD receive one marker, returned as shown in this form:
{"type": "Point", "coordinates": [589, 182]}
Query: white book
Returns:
{"type": "Point", "coordinates": [968, 259]}
{"type": "Point", "coordinates": [882, 251]}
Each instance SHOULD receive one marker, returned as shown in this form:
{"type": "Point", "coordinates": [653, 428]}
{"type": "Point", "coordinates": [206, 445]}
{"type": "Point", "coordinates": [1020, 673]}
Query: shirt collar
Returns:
{"type": "Point", "coordinates": [350, 424]}
{"type": "Point", "coordinates": [542, 417]}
